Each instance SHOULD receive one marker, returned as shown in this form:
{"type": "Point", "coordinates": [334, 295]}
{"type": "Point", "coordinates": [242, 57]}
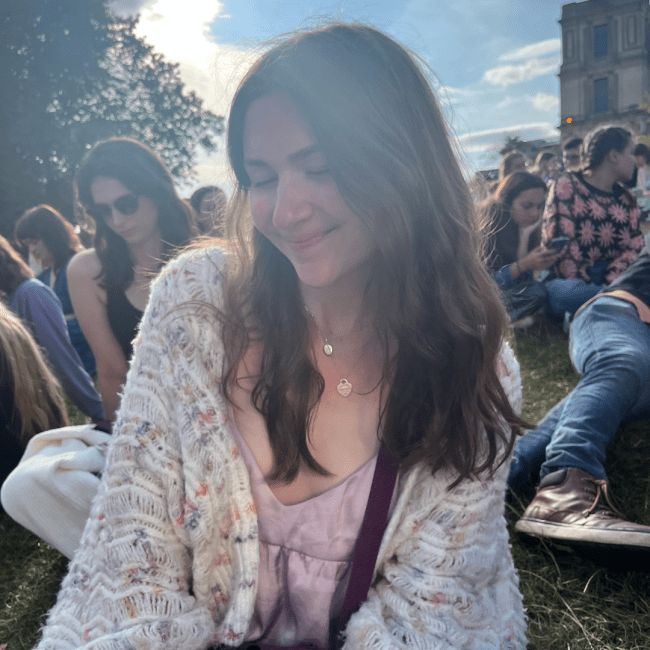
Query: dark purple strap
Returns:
{"type": "Point", "coordinates": [365, 553]}
{"type": "Point", "coordinates": [374, 525]}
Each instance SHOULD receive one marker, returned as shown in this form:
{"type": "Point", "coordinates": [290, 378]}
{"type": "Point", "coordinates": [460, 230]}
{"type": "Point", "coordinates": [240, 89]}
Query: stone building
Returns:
{"type": "Point", "coordinates": [605, 71]}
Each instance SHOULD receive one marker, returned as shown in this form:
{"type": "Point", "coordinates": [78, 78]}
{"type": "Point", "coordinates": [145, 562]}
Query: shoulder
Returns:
{"type": "Point", "coordinates": [34, 290]}
{"type": "Point", "coordinates": [84, 264]}
{"type": "Point", "coordinates": [196, 274]}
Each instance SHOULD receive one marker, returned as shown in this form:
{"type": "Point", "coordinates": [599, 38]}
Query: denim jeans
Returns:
{"type": "Point", "coordinates": [610, 347]}
{"type": "Point", "coordinates": [566, 295]}
{"type": "Point", "coordinates": [569, 295]}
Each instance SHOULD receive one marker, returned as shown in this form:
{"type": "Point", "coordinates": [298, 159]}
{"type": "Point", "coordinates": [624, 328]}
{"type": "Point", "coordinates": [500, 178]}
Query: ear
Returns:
{"type": "Point", "coordinates": [613, 156]}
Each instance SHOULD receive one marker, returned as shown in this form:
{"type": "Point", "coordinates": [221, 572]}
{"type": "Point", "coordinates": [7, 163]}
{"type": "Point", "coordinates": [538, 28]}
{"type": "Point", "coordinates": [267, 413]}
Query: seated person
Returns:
{"type": "Point", "coordinates": [209, 205]}
{"type": "Point", "coordinates": [514, 250]}
{"type": "Point", "coordinates": [595, 211]}
{"type": "Point", "coordinates": [126, 190]}
{"type": "Point", "coordinates": [39, 307]}
{"type": "Point", "coordinates": [52, 242]}
{"type": "Point", "coordinates": [546, 166]}
{"type": "Point", "coordinates": [30, 396]}
{"type": "Point", "coordinates": [571, 154]}
{"type": "Point", "coordinates": [568, 449]}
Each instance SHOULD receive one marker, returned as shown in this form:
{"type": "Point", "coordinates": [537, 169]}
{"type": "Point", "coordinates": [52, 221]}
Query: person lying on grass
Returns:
{"type": "Point", "coordinates": [609, 346]}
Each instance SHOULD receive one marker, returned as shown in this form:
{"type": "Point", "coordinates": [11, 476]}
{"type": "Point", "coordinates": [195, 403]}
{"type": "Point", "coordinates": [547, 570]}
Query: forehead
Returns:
{"type": "Point", "coordinates": [274, 129]}
{"type": "Point", "coordinates": [106, 190]}
{"type": "Point", "coordinates": [534, 195]}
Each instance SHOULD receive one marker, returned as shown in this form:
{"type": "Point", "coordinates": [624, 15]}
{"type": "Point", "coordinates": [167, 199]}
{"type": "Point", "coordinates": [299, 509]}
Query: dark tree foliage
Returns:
{"type": "Point", "coordinates": [72, 73]}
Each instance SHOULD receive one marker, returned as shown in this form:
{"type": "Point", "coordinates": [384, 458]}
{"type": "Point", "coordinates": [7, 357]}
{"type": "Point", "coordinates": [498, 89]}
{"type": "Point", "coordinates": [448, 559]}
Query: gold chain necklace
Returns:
{"type": "Point", "coordinates": [344, 387]}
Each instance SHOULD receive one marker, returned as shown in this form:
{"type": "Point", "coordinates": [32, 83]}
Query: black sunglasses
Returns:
{"type": "Point", "coordinates": [126, 205]}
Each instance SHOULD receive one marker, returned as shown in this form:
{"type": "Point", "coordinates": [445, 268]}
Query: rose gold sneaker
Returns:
{"type": "Point", "coordinates": [573, 506]}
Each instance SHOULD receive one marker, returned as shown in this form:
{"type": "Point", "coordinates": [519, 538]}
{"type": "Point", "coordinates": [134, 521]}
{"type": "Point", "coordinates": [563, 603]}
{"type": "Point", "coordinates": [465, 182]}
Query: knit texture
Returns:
{"type": "Point", "coordinates": [169, 555]}
{"type": "Point", "coordinates": [600, 226]}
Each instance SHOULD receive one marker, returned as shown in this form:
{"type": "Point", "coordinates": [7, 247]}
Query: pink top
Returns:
{"type": "Point", "coordinates": [305, 553]}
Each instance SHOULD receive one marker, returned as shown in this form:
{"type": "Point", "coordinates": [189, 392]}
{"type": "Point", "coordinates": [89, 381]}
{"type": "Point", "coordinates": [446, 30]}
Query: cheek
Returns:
{"type": "Point", "coordinates": [261, 211]}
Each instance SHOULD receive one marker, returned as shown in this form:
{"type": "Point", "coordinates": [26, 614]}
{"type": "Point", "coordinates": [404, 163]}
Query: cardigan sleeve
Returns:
{"type": "Point", "coordinates": [129, 583]}
{"type": "Point", "coordinates": [447, 579]}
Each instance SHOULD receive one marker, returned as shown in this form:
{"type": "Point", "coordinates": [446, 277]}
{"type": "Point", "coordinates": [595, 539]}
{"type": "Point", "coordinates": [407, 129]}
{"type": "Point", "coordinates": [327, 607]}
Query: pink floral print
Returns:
{"type": "Point", "coordinates": [602, 226]}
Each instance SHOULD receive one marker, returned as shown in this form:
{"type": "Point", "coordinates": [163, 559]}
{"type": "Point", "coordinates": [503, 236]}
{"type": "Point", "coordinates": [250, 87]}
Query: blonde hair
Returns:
{"type": "Point", "coordinates": [38, 403]}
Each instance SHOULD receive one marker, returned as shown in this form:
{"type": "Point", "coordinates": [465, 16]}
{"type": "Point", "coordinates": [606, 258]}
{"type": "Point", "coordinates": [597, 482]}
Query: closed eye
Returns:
{"type": "Point", "coordinates": [318, 172]}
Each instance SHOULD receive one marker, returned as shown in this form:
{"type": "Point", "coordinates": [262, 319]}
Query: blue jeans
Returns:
{"type": "Point", "coordinates": [610, 348]}
{"type": "Point", "coordinates": [569, 295]}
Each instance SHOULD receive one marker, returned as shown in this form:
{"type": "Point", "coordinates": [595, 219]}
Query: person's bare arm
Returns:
{"type": "Point", "coordinates": [89, 302]}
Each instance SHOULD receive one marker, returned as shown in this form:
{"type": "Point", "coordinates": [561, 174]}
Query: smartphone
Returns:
{"type": "Point", "coordinates": [558, 243]}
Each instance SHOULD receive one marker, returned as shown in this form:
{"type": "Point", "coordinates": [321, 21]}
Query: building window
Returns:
{"type": "Point", "coordinates": [600, 40]}
{"type": "Point", "coordinates": [600, 95]}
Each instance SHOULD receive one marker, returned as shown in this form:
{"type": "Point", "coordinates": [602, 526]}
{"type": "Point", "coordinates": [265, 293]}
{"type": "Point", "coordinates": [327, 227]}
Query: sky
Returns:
{"type": "Point", "coordinates": [495, 61]}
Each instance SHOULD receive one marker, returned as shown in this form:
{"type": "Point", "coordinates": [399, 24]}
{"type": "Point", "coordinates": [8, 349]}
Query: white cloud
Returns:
{"type": "Point", "coordinates": [544, 102]}
{"type": "Point", "coordinates": [180, 31]}
{"type": "Point", "coordinates": [534, 50]}
{"type": "Point", "coordinates": [510, 74]}
{"type": "Point", "coordinates": [488, 140]}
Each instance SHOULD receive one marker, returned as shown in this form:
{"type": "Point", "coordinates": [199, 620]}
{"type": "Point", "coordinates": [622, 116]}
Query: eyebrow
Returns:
{"type": "Point", "coordinates": [298, 156]}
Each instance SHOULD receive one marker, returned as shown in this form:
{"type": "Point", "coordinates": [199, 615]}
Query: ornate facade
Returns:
{"type": "Point", "coordinates": [605, 71]}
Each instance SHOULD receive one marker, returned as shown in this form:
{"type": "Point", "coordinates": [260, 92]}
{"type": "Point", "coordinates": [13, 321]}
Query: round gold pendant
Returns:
{"type": "Point", "coordinates": [327, 349]}
{"type": "Point", "coordinates": [344, 388]}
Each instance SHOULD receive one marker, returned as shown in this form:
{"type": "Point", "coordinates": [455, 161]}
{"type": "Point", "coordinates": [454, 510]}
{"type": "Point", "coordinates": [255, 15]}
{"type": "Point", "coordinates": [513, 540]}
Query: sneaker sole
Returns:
{"type": "Point", "coordinates": [567, 533]}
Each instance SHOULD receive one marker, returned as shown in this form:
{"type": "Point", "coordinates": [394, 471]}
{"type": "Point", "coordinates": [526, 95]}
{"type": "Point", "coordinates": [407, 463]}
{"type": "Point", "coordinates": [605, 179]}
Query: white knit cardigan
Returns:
{"type": "Point", "coordinates": [169, 555]}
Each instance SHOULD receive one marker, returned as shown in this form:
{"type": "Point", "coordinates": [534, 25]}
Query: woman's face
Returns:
{"type": "Point", "coordinates": [625, 164]}
{"type": "Point", "coordinates": [40, 252]}
{"type": "Point", "coordinates": [294, 200]}
{"type": "Point", "coordinates": [640, 161]}
{"type": "Point", "coordinates": [518, 164]}
{"type": "Point", "coordinates": [528, 206]}
{"type": "Point", "coordinates": [132, 217]}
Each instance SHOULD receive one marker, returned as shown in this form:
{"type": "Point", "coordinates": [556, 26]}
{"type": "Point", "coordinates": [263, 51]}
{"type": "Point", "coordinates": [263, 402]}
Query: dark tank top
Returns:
{"type": "Point", "coordinates": [123, 318]}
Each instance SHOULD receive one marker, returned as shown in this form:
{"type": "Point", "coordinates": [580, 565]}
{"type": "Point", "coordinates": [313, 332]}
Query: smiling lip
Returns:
{"type": "Point", "coordinates": [306, 242]}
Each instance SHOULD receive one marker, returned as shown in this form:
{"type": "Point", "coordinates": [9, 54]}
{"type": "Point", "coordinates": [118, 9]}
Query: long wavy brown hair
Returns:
{"type": "Point", "coordinates": [380, 127]}
{"type": "Point", "coordinates": [142, 171]}
{"type": "Point", "coordinates": [47, 224]}
{"type": "Point", "coordinates": [502, 240]}
{"type": "Point", "coordinates": [38, 403]}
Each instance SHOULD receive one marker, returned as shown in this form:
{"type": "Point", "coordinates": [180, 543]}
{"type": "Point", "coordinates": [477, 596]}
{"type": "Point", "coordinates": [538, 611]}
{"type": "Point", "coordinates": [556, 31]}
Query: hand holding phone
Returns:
{"type": "Point", "coordinates": [558, 243]}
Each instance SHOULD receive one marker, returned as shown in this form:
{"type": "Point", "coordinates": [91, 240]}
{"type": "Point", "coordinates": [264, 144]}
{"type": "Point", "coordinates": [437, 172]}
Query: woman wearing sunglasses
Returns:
{"type": "Point", "coordinates": [125, 188]}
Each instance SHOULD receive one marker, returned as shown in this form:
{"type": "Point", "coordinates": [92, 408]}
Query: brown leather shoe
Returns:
{"type": "Point", "coordinates": [572, 505]}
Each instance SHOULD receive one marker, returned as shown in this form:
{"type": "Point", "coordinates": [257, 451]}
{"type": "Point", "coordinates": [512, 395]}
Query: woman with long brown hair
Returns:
{"type": "Point", "coordinates": [353, 328]}
{"type": "Point", "coordinates": [125, 190]}
{"type": "Point", "coordinates": [53, 242]}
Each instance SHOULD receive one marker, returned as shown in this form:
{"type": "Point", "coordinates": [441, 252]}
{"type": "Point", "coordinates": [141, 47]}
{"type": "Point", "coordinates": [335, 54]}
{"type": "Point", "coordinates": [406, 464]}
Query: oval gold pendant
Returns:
{"type": "Point", "coordinates": [327, 349]}
{"type": "Point", "coordinates": [344, 388]}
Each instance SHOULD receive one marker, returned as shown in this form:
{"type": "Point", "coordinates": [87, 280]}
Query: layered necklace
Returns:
{"type": "Point", "coordinates": [344, 387]}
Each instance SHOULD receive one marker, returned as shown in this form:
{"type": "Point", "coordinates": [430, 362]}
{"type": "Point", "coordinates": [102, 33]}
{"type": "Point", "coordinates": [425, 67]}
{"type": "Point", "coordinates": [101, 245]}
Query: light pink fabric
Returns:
{"type": "Point", "coordinates": [305, 553]}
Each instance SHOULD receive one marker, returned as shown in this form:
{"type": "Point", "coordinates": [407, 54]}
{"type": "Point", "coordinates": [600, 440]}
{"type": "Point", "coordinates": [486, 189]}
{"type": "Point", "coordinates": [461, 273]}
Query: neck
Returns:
{"type": "Point", "coordinates": [147, 255]}
{"type": "Point", "coordinates": [601, 178]}
{"type": "Point", "coordinates": [340, 310]}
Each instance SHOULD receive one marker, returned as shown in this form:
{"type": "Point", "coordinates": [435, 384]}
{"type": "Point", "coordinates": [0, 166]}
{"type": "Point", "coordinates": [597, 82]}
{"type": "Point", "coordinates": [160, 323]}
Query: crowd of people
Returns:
{"type": "Point", "coordinates": [329, 353]}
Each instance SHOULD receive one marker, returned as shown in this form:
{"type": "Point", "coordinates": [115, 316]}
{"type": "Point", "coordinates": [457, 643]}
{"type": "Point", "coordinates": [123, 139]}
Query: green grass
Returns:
{"type": "Point", "coordinates": [575, 600]}
{"type": "Point", "coordinates": [583, 600]}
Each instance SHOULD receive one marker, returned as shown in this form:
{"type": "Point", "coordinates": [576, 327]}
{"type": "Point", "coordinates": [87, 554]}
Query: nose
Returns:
{"type": "Point", "coordinates": [292, 201]}
{"type": "Point", "coordinates": [116, 218]}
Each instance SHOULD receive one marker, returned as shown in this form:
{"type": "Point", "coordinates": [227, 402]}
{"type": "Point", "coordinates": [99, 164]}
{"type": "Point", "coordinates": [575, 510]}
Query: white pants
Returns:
{"type": "Point", "coordinates": [51, 490]}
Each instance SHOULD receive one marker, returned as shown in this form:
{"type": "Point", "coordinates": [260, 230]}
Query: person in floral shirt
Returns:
{"type": "Point", "coordinates": [596, 212]}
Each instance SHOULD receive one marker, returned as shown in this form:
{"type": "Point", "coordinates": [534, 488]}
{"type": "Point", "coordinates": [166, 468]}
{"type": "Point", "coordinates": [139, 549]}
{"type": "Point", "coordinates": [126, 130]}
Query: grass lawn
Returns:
{"type": "Point", "coordinates": [575, 601]}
